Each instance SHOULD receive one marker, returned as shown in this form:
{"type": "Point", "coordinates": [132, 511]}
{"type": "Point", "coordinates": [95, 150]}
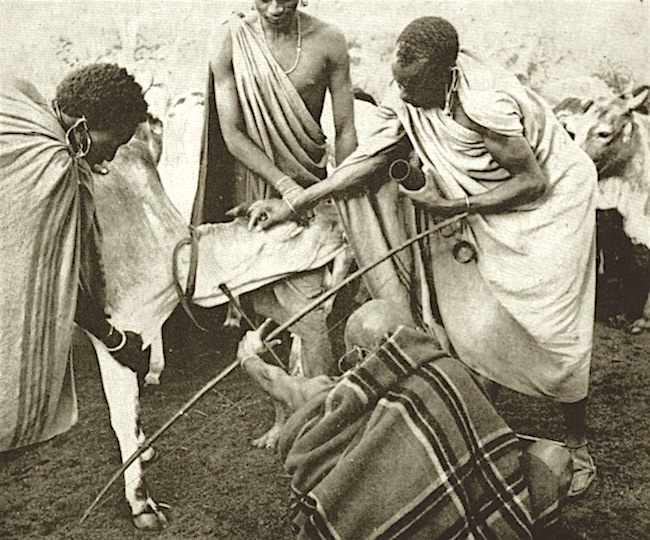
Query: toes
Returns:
{"type": "Point", "coordinates": [269, 440]}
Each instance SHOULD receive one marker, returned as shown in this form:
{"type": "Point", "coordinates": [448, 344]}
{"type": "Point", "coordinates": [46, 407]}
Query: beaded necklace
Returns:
{"type": "Point", "coordinates": [298, 46]}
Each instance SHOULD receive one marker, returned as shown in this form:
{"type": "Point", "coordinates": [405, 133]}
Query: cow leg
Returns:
{"type": "Point", "coordinates": [640, 278]}
{"type": "Point", "coordinates": [150, 452]}
{"type": "Point", "coordinates": [233, 317]}
{"type": "Point", "coordinates": [295, 356]}
{"type": "Point", "coordinates": [156, 360]}
{"type": "Point", "coordinates": [340, 268]}
{"type": "Point", "coordinates": [121, 390]}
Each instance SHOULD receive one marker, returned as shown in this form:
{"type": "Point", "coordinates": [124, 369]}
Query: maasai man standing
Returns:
{"type": "Point", "coordinates": [50, 268]}
{"type": "Point", "coordinates": [271, 74]}
{"type": "Point", "coordinates": [520, 310]}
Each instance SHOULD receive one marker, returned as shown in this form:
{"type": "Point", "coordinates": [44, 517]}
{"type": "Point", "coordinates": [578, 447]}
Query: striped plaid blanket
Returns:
{"type": "Point", "coordinates": [406, 446]}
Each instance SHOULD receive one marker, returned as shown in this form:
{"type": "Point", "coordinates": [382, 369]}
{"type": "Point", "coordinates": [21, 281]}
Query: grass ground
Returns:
{"type": "Point", "coordinates": [219, 486]}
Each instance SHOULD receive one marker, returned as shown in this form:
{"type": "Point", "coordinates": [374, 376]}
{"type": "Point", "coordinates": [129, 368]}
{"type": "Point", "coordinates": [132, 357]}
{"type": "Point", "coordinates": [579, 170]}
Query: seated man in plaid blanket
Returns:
{"type": "Point", "coordinates": [405, 444]}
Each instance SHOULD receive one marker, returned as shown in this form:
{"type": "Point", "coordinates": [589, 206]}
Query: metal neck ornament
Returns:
{"type": "Point", "coordinates": [451, 91]}
{"type": "Point", "coordinates": [298, 45]}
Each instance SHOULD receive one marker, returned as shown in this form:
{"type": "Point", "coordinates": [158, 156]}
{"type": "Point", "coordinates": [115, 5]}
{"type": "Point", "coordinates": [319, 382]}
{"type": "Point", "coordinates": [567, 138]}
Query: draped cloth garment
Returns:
{"type": "Point", "coordinates": [407, 446]}
{"type": "Point", "coordinates": [40, 217]}
{"type": "Point", "coordinates": [522, 315]}
{"type": "Point", "coordinates": [280, 124]}
{"type": "Point", "coordinates": [275, 116]}
{"type": "Point", "coordinates": [141, 228]}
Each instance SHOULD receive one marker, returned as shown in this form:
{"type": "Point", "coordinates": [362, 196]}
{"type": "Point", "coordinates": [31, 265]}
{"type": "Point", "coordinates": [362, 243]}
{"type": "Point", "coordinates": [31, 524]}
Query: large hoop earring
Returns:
{"type": "Point", "coordinates": [450, 91]}
{"type": "Point", "coordinates": [78, 138]}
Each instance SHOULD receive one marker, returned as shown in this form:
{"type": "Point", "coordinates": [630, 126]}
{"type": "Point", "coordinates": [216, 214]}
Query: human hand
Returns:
{"type": "Point", "coordinates": [129, 352]}
{"type": "Point", "coordinates": [430, 198]}
{"type": "Point", "coordinates": [268, 212]}
{"type": "Point", "coordinates": [252, 344]}
{"type": "Point", "coordinates": [239, 210]}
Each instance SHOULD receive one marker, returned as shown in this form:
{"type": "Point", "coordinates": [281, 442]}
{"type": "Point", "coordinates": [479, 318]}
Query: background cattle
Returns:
{"type": "Point", "coordinates": [615, 131]}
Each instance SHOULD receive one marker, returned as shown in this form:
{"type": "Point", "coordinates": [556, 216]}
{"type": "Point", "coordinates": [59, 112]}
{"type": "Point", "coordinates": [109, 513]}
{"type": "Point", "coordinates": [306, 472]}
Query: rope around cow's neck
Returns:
{"type": "Point", "coordinates": [272, 335]}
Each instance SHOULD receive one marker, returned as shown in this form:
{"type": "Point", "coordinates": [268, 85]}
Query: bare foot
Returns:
{"type": "Point", "coordinates": [270, 439]}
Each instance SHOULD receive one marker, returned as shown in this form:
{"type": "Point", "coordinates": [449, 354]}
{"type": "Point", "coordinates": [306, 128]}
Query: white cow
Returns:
{"type": "Point", "coordinates": [615, 132]}
{"type": "Point", "coordinates": [140, 230]}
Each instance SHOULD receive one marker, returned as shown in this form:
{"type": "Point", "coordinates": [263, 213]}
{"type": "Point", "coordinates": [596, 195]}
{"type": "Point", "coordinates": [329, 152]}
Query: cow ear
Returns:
{"type": "Point", "coordinates": [639, 101]}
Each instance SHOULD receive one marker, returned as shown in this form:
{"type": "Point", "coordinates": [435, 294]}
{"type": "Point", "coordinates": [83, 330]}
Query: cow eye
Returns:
{"type": "Point", "coordinates": [603, 134]}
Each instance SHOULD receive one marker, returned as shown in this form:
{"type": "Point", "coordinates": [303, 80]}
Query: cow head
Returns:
{"type": "Point", "coordinates": [603, 127]}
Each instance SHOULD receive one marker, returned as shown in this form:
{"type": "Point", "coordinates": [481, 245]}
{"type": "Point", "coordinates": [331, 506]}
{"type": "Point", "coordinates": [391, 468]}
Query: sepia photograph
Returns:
{"type": "Point", "coordinates": [325, 269]}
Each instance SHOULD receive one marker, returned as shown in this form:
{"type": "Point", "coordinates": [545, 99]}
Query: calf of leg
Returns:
{"type": "Point", "coordinates": [270, 439]}
{"type": "Point", "coordinates": [290, 390]}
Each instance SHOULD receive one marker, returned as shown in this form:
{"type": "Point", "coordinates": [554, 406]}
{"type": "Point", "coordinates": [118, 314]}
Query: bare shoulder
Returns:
{"type": "Point", "coordinates": [329, 37]}
{"type": "Point", "coordinates": [221, 48]}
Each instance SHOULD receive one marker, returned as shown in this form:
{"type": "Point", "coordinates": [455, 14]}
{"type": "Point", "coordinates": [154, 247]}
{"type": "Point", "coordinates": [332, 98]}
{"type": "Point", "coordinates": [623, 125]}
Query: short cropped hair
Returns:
{"type": "Point", "coordinates": [105, 94]}
{"type": "Point", "coordinates": [430, 38]}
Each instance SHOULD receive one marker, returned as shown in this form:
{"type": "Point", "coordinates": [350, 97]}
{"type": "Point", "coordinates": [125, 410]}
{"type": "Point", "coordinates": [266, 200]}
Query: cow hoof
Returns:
{"type": "Point", "coordinates": [232, 323]}
{"type": "Point", "coordinates": [639, 326]}
{"type": "Point", "coordinates": [151, 379]}
{"type": "Point", "coordinates": [269, 440]}
{"type": "Point", "coordinates": [148, 455]}
{"type": "Point", "coordinates": [151, 520]}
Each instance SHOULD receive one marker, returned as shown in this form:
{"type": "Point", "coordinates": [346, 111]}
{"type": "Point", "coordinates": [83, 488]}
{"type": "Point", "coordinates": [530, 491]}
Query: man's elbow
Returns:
{"type": "Point", "coordinates": [537, 187]}
{"type": "Point", "coordinates": [346, 143]}
{"type": "Point", "coordinates": [232, 140]}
